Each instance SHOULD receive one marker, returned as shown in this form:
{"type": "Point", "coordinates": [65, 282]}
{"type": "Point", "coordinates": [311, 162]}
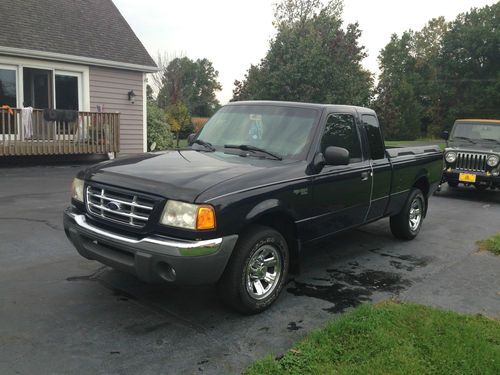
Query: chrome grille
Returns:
{"type": "Point", "coordinates": [123, 208]}
{"type": "Point", "coordinates": [468, 161]}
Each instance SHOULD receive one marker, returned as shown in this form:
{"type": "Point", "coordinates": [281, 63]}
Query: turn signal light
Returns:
{"type": "Point", "coordinates": [205, 218]}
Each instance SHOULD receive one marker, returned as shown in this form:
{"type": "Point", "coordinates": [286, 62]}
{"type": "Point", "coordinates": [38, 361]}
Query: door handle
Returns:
{"type": "Point", "coordinates": [364, 176]}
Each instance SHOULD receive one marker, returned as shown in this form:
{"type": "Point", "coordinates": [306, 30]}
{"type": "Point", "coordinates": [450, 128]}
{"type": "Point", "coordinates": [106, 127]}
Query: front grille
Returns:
{"type": "Point", "coordinates": [124, 208]}
{"type": "Point", "coordinates": [467, 161]}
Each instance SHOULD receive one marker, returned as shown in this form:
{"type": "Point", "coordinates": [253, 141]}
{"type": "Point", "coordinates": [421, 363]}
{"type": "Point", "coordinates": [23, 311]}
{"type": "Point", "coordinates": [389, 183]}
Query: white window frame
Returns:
{"type": "Point", "coordinates": [78, 75]}
{"type": "Point", "coordinates": [18, 99]}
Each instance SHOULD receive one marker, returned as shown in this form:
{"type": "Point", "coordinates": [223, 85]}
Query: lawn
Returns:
{"type": "Point", "coordinates": [438, 142]}
{"type": "Point", "coordinates": [491, 244]}
{"type": "Point", "coordinates": [393, 338]}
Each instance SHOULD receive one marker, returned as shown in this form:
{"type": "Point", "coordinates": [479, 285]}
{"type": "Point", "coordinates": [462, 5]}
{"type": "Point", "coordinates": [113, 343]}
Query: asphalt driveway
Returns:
{"type": "Point", "coordinates": [60, 313]}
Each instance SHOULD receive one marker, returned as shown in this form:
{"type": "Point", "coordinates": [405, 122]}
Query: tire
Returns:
{"type": "Point", "coordinates": [407, 224]}
{"type": "Point", "coordinates": [235, 288]}
{"type": "Point", "coordinates": [453, 184]}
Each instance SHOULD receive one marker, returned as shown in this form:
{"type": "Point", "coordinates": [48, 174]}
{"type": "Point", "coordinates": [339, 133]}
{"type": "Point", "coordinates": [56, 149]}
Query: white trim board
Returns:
{"type": "Point", "coordinates": [76, 59]}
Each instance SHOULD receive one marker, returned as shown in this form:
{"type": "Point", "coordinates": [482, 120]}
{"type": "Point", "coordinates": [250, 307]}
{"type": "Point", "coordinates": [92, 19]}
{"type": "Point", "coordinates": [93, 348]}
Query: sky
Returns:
{"type": "Point", "coordinates": [235, 33]}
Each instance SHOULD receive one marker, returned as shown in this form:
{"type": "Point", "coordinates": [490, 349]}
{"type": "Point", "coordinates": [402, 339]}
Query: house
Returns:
{"type": "Point", "coordinates": [79, 72]}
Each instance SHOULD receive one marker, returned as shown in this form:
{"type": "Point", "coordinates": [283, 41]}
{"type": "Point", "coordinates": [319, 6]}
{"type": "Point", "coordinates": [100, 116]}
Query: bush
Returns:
{"type": "Point", "coordinates": [158, 129]}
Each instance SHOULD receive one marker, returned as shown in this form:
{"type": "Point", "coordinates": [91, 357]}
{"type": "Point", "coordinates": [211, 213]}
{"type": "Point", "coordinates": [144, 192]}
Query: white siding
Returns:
{"type": "Point", "coordinates": [109, 87]}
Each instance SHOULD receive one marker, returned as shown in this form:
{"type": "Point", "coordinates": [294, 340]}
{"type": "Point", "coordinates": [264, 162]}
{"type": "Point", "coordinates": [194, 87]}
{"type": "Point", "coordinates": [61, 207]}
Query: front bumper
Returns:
{"type": "Point", "coordinates": [481, 177]}
{"type": "Point", "coordinates": [151, 259]}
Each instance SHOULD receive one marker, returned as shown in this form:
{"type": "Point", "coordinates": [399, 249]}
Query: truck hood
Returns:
{"type": "Point", "coordinates": [180, 175]}
{"type": "Point", "coordinates": [486, 146]}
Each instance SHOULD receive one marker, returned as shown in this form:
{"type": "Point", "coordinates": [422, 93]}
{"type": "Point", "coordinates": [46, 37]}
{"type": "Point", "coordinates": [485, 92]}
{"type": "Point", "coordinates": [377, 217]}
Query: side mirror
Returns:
{"type": "Point", "coordinates": [336, 156]}
{"type": "Point", "coordinates": [445, 135]}
{"type": "Point", "coordinates": [191, 138]}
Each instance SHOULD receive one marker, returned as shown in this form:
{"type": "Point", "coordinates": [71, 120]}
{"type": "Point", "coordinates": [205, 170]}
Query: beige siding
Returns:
{"type": "Point", "coordinates": [110, 87]}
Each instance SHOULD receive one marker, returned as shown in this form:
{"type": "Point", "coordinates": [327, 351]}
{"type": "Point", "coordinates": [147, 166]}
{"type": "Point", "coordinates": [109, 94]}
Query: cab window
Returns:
{"type": "Point", "coordinates": [374, 136]}
{"type": "Point", "coordinates": [340, 131]}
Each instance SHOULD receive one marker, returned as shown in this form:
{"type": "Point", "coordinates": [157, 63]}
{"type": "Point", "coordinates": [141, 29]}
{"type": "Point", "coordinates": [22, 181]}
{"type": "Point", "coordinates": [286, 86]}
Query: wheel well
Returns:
{"type": "Point", "coordinates": [284, 224]}
{"type": "Point", "coordinates": [423, 184]}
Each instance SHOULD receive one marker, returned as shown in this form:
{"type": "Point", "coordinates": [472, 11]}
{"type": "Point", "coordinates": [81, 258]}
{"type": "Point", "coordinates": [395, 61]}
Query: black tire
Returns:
{"type": "Point", "coordinates": [401, 226]}
{"type": "Point", "coordinates": [453, 184]}
{"type": "Point", "coordinates": [232, 287]}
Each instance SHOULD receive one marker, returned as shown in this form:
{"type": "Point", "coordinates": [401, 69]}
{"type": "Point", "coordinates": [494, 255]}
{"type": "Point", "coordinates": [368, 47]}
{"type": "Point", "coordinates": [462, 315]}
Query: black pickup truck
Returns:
{"type": "Point", "coordinates": [472, 155]}
{"type": "Point", "coordinates": [260, 181]}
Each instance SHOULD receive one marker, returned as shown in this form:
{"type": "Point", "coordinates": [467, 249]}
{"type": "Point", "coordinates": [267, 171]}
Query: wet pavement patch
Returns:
{"type": "Point", "coordinates": [349, 288]}
{"type": "Point", "coordinates": [292, 326]}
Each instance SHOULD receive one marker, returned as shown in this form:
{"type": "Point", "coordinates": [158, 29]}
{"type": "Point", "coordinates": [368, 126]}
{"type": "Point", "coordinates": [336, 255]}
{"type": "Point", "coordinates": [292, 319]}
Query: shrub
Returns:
{"type": "Point", "coordinates": [158, 129]}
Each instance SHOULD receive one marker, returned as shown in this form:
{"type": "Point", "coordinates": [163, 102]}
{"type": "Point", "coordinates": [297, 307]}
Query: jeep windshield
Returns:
{"type": "Point", "coordinates": [475, 132]}
{"type": "Point", "coordinates": [279, 131]}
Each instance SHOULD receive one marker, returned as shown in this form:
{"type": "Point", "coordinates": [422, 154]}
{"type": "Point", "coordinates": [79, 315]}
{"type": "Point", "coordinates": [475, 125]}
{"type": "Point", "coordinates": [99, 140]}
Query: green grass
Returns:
{"type": "Point", "coordinates": [392, 338]}
{"type": "Point", "coordinates": [438, 142]}
{"type": "Point", "coordinates": [491, 244]}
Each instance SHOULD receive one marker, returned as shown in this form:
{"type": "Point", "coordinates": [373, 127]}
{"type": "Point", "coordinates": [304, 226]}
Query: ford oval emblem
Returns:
{"type": "Point", "coordinates": [115, 206]}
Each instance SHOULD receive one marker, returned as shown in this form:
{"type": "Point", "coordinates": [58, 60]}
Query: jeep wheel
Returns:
{"type": "Point", "coordinates": [408, 222]}
{"type": "Point", "coordinates": [256, 272]}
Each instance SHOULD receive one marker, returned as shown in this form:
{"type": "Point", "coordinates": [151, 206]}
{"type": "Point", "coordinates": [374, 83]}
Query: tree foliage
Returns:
{"type": "Point", "coordinates": [158, 129]}
{"type": "Point", "coordinates": [178, 118]}
{"type": "Point", "coordinates": [443, 72]}
{"type": "Point", "coordinates": [194, 83]}
{"type": "Point", "coordinates": [312, 58]}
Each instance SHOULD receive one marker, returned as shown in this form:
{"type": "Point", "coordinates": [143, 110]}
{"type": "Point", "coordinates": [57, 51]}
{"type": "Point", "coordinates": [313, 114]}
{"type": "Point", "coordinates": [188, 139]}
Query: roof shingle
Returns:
{"type": "Point", "coordinates": [87, 28]}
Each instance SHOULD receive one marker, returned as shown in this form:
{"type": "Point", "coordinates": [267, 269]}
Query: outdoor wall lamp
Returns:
{"type": "Point", "coordinates": [131, 96]}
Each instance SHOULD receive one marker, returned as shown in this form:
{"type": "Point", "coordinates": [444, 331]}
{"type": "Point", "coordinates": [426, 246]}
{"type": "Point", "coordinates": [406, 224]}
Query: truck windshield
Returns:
{"type": "Point", "coordinates": [281, 130]}
{"type": "Point", "coordinates": [476, 131]}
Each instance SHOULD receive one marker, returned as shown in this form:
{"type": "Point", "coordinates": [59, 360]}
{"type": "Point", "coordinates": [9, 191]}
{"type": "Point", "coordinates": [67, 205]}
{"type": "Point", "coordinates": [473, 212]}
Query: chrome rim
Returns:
{"type": "Point", "coordinates": [263, 272]}
{"type": "Point", "coordinates": [415, 214]}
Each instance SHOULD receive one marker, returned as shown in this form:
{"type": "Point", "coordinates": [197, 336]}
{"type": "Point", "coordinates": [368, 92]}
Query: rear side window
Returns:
{"type": "Point", "coordinates": [375, 140]}
{"type": "Point", "coordinates": [340, 131]}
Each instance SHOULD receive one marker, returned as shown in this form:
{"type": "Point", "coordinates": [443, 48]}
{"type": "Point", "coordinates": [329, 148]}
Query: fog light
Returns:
{"type": "Point", "coordinates": [495, 173]}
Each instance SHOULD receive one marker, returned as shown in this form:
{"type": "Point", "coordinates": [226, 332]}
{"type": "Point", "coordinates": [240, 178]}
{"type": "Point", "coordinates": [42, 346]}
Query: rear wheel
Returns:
{"type": "Point", "coordinates": [256, 272]}
{"type": "Point", "coordinates": [407, 224]}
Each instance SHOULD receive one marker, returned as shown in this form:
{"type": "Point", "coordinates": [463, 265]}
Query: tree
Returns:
{"type": "Point", "coordinates": [194, 83]}
{"type": "Point", "coordinates": [158, 129]}
{"type": "Point", "coordinates": [470, 65]}
{"type": "Point", "coordinates": [178, 118]}
{"type": "Point", "coordinates": [311, 58]}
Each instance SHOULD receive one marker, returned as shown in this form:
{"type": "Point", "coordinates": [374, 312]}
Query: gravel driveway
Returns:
{"type": "Point", "coordinates": [60, 313]}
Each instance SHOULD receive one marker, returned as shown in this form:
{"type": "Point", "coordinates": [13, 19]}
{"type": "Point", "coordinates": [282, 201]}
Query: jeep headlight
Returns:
{"type": "Point", "coordinates": [450, 157]}
{"type": "Point", "coordinates": [492, 160]}
{"type": "Point", "coordinates": [77, 189]}
{"type": "Point", "coordinates": [188, 216]}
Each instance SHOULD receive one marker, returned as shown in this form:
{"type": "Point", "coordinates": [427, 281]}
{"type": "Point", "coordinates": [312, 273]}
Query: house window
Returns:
{"type": "Point", "coordinates": [37, 87]}
{"type": "Point", "coordinates": [67, 93]}
{"type": "Point", "coordinates": [8, 96]}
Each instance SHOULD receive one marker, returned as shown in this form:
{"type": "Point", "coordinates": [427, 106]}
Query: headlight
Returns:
{"type": "Point", "coordinates": [189, 216]}
{"type": "Point", "coordinates": [492, 160]}
{"type": "Point", "coordinates": [77, 189]}
{"type": "Point", "coordinates": [451, 157]}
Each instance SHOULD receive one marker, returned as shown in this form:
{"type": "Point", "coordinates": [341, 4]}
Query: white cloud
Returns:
{"type": "Point", "coordinates": [235, 33]}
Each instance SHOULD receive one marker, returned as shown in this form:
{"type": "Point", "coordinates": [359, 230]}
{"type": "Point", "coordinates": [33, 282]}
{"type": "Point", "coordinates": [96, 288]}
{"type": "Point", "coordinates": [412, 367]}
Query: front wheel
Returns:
{"type": "Point", "coordinates": [407, 224]}
{"type": "Point", "coordinates": [256, 272]}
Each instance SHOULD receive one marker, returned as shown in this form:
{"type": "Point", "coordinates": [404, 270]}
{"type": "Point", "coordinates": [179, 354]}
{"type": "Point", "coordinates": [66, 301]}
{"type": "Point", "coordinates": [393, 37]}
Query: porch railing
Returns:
{"type": "Point", "coordinates": [90, 133]}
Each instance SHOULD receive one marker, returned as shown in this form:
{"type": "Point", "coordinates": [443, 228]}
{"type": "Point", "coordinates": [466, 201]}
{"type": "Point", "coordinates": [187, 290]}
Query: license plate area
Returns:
{"type": "Point", "coordinates": [467, 177]}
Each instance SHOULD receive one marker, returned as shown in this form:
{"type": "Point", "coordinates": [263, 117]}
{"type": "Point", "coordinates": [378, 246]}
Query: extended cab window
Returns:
{"type": "Point", "coordinates": [340, 131]}
{"type": "Point", "coordinates": [374, 136]}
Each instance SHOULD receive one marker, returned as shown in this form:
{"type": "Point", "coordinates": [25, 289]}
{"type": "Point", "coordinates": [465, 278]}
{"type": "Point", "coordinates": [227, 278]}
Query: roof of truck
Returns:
{"type": "Point", "coordinates": [335, 107]}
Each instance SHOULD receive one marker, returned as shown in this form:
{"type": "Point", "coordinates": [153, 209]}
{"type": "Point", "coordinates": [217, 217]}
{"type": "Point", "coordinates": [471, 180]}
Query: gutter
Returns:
{"type": "Point", "coordinates": [76, 59]}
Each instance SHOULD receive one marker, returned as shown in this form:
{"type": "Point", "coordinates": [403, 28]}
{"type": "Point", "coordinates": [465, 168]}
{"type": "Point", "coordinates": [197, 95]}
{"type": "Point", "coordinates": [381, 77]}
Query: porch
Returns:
{"type": "Point", "coordinates": [87, 133]}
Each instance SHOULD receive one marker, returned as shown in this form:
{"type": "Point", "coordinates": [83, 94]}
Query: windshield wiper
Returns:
{"type": "Point", "coordinates": [490, 139]}
{"type": "Point", "coordinates": [253, 148]}
{"type": "Point", "coordinates": [464, 138]}
{"type": "Point", "coordinates": [207, 145]}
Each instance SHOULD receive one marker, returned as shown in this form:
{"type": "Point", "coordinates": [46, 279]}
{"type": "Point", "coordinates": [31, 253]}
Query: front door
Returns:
{"type": "Point", "coordinates": [341, 194]}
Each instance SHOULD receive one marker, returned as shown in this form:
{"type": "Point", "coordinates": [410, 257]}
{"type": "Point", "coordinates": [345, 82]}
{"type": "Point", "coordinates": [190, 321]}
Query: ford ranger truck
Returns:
{"type": "Point", "coordinates": [259, 183]}
{"type": "Point", "coordinates": [472, 155]}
